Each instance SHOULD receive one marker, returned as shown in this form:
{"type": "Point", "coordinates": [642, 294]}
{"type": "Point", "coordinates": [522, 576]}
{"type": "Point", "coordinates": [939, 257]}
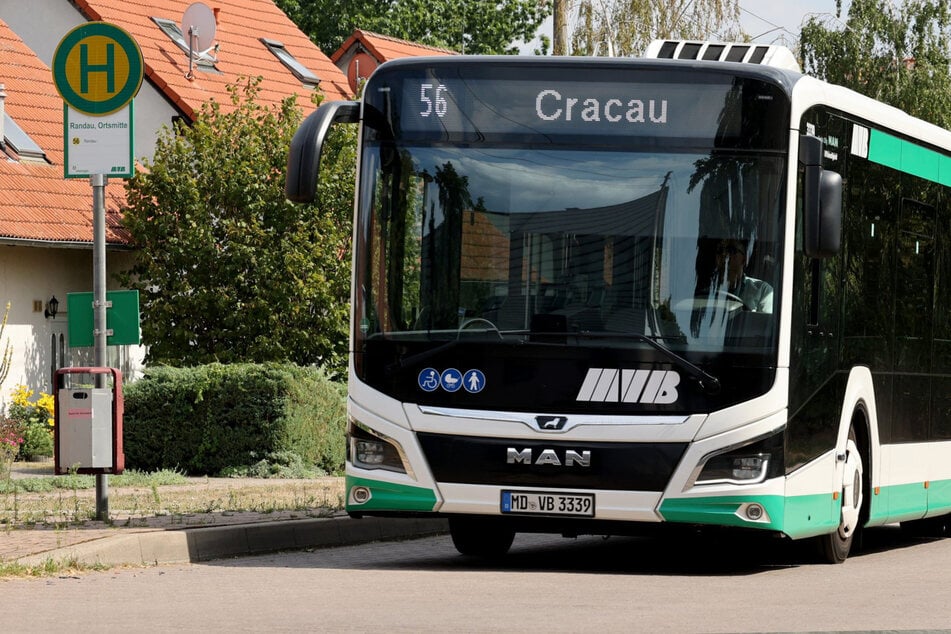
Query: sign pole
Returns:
{"type": "Point", "coordinates": [100, 334]}
{"type": "Point", "coordinates": [98, 69]}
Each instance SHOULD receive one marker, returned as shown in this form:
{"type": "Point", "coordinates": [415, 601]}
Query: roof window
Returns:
{"type": "Point", "coordinates": [300, 71]}
{"type": "Point", "coordinates": [20, 142]}
{"type": "Point", "coordinates": [203, 60]}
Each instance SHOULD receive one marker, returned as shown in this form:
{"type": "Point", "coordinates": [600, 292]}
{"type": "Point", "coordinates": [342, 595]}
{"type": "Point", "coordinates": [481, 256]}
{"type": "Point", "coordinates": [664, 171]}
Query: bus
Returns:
{"type": "Point", "coordinates": [594, 296]}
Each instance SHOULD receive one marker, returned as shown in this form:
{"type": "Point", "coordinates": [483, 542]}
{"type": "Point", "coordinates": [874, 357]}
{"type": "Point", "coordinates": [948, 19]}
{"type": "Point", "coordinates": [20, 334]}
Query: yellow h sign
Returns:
{"type": "Point", "coordinates": [97, 68]}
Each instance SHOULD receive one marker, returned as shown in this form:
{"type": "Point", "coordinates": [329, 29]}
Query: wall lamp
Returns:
{"type": "Point", "coordinates": [52, 307]}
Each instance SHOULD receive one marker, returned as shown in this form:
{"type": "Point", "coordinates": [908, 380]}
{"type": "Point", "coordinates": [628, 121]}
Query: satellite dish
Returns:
{"type": "Point", "coordinates": [199, 27]}
{"type": "Point", "coordinates": [361, 67]}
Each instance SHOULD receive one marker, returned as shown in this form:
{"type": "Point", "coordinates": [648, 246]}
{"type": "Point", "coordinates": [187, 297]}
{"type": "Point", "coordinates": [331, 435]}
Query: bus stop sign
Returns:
{"type": "Point", "coordinates": [97, 68]}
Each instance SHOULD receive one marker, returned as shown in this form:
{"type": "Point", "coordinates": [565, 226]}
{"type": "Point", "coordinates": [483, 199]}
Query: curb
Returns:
{"type": "Point", "coordinates": [190, 545]}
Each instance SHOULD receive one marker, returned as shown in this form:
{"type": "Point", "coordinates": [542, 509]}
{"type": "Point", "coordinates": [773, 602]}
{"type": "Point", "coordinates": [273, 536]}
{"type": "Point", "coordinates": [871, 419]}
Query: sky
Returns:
{"type": "Point", "coordinates": [767, 21]}
{"type": "Point", "coordinates": [770, 21]}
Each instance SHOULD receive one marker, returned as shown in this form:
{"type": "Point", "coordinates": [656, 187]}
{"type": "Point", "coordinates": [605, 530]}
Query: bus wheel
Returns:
{"type": "Point", "coordinates": [939, 526]}
{"type": "Point", "coordinates": [834, 547]}
{"type": "Point", "coordinates": [480, 537]}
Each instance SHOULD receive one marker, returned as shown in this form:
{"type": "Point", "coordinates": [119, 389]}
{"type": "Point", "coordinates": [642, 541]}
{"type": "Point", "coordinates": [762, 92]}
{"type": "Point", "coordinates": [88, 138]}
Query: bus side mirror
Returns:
{"type": "Point", "coordinates": [303, 161]}
{"type": "Point", "coordinates": [821, 202]}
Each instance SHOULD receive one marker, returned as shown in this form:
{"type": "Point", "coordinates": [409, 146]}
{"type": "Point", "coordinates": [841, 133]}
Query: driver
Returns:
{"type": "Point", "coordinates": [756, 295]}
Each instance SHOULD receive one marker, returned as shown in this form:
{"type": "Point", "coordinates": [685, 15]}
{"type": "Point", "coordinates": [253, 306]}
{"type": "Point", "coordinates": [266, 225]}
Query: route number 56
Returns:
{"type": "Point", "coordinates": [433, 98]}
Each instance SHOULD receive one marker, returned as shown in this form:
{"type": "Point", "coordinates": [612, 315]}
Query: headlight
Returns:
{"type": "Point", "coordinates": [747, 464]}
{"type": "Point", "coordinates": [735, 468]}
{"type": "Point", "coordinates": [371, 450]}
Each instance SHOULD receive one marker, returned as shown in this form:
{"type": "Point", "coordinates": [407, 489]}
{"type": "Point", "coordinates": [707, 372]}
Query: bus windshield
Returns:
{"type": "Point", "coordinates": [487, 230]}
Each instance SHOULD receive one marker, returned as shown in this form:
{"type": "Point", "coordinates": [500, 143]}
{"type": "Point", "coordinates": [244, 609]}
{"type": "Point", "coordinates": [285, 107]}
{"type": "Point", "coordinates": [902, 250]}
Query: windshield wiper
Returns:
{"type": "Point", "coordinates": [402, 362]}
{"type": "Point", "coordinates": [413, 359]}
{"type": "Point", "coordinates": [707, 382]}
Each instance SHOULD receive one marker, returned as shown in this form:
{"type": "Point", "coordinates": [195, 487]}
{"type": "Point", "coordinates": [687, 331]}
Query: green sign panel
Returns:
{"type": "Point", "coordinates": [122, 319]}
{"type": "Point", "coordinates": [97, 68]}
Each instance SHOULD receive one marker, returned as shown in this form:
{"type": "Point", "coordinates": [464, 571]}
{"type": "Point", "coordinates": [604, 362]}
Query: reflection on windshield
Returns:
{"type": "Point", "coordinates": [539, 245]}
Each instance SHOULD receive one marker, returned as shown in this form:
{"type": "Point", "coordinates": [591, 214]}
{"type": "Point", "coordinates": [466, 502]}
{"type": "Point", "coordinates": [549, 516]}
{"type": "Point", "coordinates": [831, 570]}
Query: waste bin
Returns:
{"type": "Point", "coordinates": [88, 421]}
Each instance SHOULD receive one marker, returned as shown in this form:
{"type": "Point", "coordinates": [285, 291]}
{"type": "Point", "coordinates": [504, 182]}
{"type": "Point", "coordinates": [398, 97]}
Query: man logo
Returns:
{"type": "Point", "coordinates": [608, 385]}
{"type": "Point", "coordinates": [551, 423]}
{"type": "Point", "coordinates": [568, 458]}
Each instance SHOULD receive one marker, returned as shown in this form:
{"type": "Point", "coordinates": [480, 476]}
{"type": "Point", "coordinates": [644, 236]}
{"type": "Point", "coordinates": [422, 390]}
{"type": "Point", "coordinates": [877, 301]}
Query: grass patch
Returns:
{"type": "Point", "coordinates": [131, 478]}
{"type": "Point", "coordinates": [136, 496]}
{"type": "Point", "coordinates": [47, 568]}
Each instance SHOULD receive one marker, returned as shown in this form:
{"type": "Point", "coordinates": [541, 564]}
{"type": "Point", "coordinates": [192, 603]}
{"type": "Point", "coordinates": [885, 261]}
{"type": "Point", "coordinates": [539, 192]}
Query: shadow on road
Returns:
{"type": "Point", "coordinates": [681, 553]}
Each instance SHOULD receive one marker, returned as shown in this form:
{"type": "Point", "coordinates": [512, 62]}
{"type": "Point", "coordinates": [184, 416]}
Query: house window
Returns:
{"type": "Point", "coordinates": [304, 74]}
{"type": "Point", "coordinates": [203, 60]}
{"type": "Point", "coordinates": [19, 142]}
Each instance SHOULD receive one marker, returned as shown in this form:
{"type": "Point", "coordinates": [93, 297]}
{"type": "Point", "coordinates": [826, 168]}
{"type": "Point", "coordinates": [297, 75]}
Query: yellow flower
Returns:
{"type": "Point", "coordinates": [45, 402]}
{"type": "Point", "coordinates": [22, 395]}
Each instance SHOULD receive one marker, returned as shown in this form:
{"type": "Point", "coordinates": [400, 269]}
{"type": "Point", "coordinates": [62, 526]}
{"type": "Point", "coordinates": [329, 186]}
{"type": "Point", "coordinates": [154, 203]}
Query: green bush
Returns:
{"type": "Point", "coordinates": [37, 442]}
{"type": "Point", "coordinates": [218, 418]}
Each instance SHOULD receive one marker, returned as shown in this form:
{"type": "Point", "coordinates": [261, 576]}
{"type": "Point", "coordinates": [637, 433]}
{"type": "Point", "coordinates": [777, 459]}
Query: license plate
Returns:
{"type": "Point", "coordinates": [541, 503]}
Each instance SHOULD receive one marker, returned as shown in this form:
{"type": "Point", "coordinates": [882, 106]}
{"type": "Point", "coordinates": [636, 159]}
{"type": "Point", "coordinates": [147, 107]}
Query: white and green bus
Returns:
{"type": "Point", "coordinates": [591, 295]}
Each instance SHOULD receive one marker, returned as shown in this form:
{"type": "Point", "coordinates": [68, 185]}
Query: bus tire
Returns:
{"type": "Point", "coordinates": [480, 537]}
{"type": "Point", "coordinates": [939, 527]}
{"type": "Point", "coordinates": [834, 547]}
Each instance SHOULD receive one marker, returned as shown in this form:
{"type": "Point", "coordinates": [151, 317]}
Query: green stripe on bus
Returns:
{"type": "Point", "coordinates": [939, 495]}
{"type": "Point", "coordinates": [798, 516]}
{"type": "Point", "coordinates": [721, 510]}
{"type": "Point", "coordinates": [909, 158]}
{"type": "Point", "coordinates": [808, 515]}
{"type": "Point", "coordinates": [386, 496]}
{"type": "Point", "coordinates": [910, 501]}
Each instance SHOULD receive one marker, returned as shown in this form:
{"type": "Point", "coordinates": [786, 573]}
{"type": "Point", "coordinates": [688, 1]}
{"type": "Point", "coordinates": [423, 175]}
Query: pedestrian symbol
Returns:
{"type": "Point", "coordinates": [474, 381]}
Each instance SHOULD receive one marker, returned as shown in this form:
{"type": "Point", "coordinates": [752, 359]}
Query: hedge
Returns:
{"type": "Point", "coordinates": [206, 419]}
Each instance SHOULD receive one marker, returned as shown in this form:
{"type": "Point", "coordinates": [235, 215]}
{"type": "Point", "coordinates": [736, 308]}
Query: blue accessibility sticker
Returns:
{"type": "Point", "coordinates": [451, 380]}
{"type": "Point", "coordinates": [474, 381]}
{"type": "Point", "coordinates": [428, 380]}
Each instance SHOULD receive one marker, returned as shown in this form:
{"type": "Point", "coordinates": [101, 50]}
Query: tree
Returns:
{"type": "Point", "coordinates": [470, 26]}
{"type": "Point", "coordinates": [626, 27]}
{"type": "Point", "coordinates": [893, 52]}
{"type": "Point", "coordinates": [228, 270]}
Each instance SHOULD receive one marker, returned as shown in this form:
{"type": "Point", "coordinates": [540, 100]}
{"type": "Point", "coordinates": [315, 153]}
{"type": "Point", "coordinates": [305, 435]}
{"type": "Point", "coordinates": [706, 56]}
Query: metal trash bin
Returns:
{"type": "Point", "coordinates": [88, 424]}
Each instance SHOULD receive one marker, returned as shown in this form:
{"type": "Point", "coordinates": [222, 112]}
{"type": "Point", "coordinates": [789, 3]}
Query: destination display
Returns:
{"type": "Point", "coordinates": [443, 103]}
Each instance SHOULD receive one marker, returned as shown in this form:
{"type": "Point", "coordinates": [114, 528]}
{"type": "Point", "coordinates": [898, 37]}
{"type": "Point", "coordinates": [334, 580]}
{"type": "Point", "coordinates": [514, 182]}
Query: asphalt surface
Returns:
{"type": "Point", "coordinates": [199, 537]}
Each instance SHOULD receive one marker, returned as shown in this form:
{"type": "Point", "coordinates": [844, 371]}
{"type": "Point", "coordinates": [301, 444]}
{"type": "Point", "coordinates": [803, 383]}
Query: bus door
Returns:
{"type": "Point", "coordinates": [914, 310]}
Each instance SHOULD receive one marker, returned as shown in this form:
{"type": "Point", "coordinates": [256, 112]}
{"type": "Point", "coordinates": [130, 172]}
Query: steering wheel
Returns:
{"type": "Point", "coordinates": [732, 301]}
{"type": "Point", "coordinates": [736, 298]}
{"type": "Point", "coordinates": [465, 325]}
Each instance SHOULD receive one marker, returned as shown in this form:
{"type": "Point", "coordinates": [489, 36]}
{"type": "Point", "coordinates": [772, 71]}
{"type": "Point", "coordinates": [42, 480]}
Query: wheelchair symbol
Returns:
{"type": "Point", "coordinates": [429, 380]}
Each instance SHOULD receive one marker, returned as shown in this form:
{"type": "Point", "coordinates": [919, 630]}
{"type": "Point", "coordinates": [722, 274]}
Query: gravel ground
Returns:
{"type": "Point", "coordinates": [198, 501]}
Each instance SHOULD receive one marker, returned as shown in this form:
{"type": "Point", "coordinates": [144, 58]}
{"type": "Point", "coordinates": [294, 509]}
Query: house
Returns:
{"type": "Point", "coordinates": [363, 51]}
{"type": "Point", "coordinates": [46, 219]}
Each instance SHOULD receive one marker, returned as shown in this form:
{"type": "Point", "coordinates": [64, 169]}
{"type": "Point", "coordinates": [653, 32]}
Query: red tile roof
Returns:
{"type": "Point", "coordinates": [385, 48]}
{"type": "Point", "coordinates": [241, 54]}
{"type": "Point", "coordinates": [37, 203]}
{"type": "Point", "coordinates": [363, 51]}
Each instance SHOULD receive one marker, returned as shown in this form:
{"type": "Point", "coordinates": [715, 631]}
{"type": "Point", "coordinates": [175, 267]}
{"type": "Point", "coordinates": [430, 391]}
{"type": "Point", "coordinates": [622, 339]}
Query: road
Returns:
{"type": "Point", "coordinates": [546, 584]}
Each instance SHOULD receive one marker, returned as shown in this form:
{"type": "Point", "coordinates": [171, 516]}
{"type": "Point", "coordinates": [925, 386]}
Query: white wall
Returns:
{"type": "Point", "coordinates": [34, 274]}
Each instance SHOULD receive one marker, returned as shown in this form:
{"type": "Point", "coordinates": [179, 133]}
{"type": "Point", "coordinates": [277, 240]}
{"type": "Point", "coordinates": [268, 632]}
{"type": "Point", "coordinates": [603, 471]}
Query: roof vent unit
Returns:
{"type": "Point", "coordinates": [776, 56]}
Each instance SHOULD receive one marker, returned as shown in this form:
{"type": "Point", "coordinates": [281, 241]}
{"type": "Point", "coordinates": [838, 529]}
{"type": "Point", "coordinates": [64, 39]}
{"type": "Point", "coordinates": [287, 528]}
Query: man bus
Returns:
{"type": "Point", "coordinates": [549, 331]}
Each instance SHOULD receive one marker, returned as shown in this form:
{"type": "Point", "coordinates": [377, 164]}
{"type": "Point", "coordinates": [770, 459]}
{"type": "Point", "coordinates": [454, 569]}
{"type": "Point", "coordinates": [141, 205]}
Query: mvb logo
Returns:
{"type": "Point", "coordinates": [609, 385]}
